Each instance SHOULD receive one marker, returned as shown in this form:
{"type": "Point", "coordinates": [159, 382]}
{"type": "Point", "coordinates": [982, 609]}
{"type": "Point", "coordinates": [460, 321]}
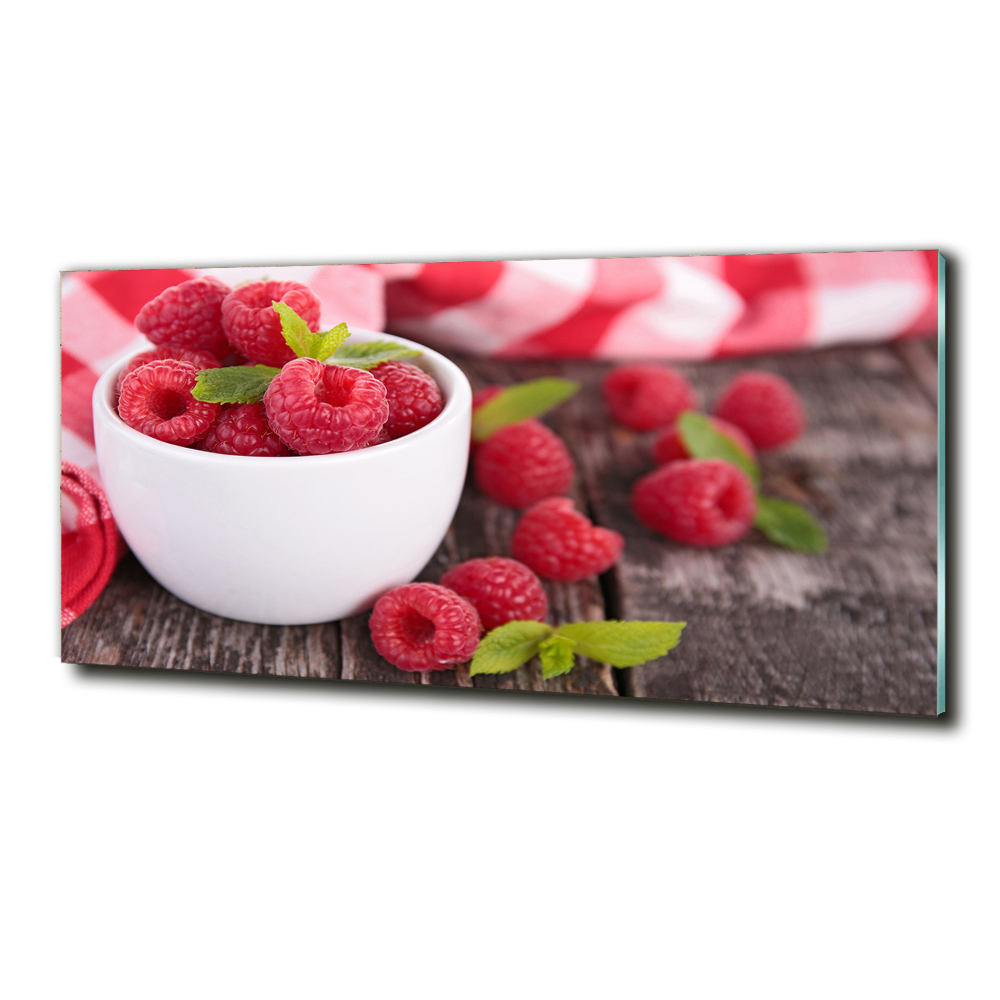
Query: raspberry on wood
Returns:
{"type": "Point", "coordinates": [559, 543]}
{"type": "Point", "coordinates": [317, 409]}
{"type": "Point", "coordinates": [156, 400]}
{"type": "Point", "coordinates": [424, 626]}
{"type": "Point", "coordinates": [254, 328]}
{"type": "Point", "coordinates": [520, 464]}
{"type": "Point", "coordinates": [697, 501]}
{"type": "Point", "coordinates": [765, 407]}
{"type": "Point", "coordinates": [647, 396]}
{"type": "Point", "coordinates": [244, 430]}
{"type": "Point", "coordinates": [188, 315]}
{"type": "Point", "coordinates": [501, 590]}
{"type": "Point", "coordinates": [669, 446]}
{"type": "Point", "coordinates": [413, 396]}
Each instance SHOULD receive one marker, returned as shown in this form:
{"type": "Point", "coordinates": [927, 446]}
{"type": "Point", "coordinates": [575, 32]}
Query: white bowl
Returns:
{"type": "Point", "coordinates": [287, 541]}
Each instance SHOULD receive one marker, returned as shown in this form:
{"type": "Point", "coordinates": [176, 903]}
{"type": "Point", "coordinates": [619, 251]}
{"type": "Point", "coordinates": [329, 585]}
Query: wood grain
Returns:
{"type": "Point", "coordinates": [851, 630]}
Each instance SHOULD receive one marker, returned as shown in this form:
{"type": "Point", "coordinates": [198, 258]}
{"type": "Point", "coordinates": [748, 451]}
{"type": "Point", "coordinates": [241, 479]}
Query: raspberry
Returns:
{"type": "Point", "coordinates": [187, 315]}
{"type": "Point", "coordinates": [156, 400]}
{"type": "Point", "coordinates": [668, 446]}
{"type": "Point", "coordinates": [316, 409]}
{"type": "Point", "coordinates": [559, 543]}
{"type": "Point", "coordinates": [765, 407]}
{"type": "Point", "coordinates": [254, 328]}
{"type": "Point", "coordinates": [697, 501]}
{"type": "Point", "coordinates": [413, 396]}
{"type": "Point", "coordinates": [520, 464]}
{"type": "Point", "coordinates": [424, 626]}
{"type": "Point", "coordinates": [647, 396]}
{"type": "Point", "coordinates": [501, 590]}
{"type": "Point", "coordinates": [244, 430]}
{"type": "Point", "coordinates": [200, 359]}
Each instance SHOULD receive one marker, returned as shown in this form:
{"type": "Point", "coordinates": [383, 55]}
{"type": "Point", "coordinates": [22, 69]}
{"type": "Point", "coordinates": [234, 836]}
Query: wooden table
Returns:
{"type": "Point", "coordinates": [854, 629]}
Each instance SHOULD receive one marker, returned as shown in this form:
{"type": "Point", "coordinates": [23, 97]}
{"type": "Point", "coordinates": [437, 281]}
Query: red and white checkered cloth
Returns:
{"type": "Point", "coordinates": [671, 308]}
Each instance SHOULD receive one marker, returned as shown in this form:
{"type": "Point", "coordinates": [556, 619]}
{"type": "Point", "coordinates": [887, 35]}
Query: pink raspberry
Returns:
{"type": "Point", "coordinates": [424, 626]}
{"type": "Point", "coordinates": [317, 409]}
{"type": "Point", "coordinates": [668, 446]}
{"type": "Point", "coordinates": [187, 315]}
{"type": "Point", "coordinates": [413, 396]}
{"type": "Point", "coordinates": [254, 328]}
{"type": "Point", "coordinates": [156, 400]}
{"type": "Point", "coordinates": [520, 464]}
{"type": "Point", "coordinates": [501, 590]}
{"type": "Point", "coordinates": [765, 407]}
{"type": "Point", "coordinates": [244, 430]}
{"type": "Point", "coordinates": [647, 396]}
{"type": "Point", "coordinates": [559, 543]}
{"type": "Point", "coordinates": [697, 501]}
{"type": "Point", "coordinates": [200, 359]}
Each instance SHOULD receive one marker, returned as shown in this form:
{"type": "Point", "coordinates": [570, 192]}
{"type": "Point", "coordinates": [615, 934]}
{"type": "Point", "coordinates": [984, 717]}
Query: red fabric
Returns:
{"type": "Point", "coordinates": [91, 549]}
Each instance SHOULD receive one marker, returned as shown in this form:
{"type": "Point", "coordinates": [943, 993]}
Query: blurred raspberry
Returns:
{"type": "Point", "coordinates": [501, 590]}
{"type": "Point", "coordinates": [317, 409]}
{"type": "Point", "coordinates": [697, 501]}
{"type": "Point", "coordinates": [413, 396]}
{"type": "Point", "coordinates": [559, 543]}
{"type": "Point", "coordinates": [187, 315]}
{"type": "Point", "coordinates": [647, 396]}
{"type": "Point", "coordinates": [244, 430]}
{"type": "Point", "coordinates": [254, 328]}
{"type": "Point", "coordinates": [156, 400]}
{"type": "Point", "coordinates": [520, 464]}
{"type": "Point", "coordinates": [424, 626]}
{"type": "Point", "coordinates": [765, 407]}
{"type": "Point", "coordinates": [668, 446]}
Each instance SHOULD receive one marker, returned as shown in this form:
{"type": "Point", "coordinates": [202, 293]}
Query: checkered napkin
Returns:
{"type": "Point", "coordinates": [671, 308]}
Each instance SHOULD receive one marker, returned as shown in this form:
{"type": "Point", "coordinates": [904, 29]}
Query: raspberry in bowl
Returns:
{"type": "Point", "coordinates": [293, 540]}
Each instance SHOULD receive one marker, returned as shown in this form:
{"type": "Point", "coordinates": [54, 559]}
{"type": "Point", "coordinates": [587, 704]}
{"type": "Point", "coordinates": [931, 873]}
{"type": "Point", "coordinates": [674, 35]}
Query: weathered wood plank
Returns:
{"type": "Point", "coordinates": [135, 622]}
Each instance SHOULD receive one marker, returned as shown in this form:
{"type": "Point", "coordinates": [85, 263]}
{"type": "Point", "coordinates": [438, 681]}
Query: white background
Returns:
{"type": "Point", "coordinates": [188, 836]}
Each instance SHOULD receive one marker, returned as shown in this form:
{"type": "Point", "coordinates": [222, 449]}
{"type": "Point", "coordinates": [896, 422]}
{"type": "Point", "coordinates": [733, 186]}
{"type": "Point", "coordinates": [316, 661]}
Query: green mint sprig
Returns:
{"type": "Point", "coordinates": [520, 402]}
{"type": "Point", "coordinates": [781, 521]}
{"type": "Point", "coordinates": [243, 384]}
{"type": "Point", "coordinates": [622, 644]}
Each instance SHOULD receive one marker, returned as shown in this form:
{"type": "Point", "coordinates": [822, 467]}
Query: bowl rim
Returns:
{"type": "Point", "coordinates": [457, 405]}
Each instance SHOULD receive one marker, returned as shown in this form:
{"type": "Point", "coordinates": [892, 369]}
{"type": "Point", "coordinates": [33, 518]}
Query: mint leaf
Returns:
{"type": "Point", "coordinates": [520, 402]}
{"type": "Point", "coordinates": [330, 342]}
{"type": "Point", "coordinates": [556, 654]}
{"type": "Point", "coordinates": [703, 440]}
{"type": "Point", "coordinates": [508, 646]}
{"type": "Point", "coordinates": [790, 525]}
{"type": "Point", "coordinates": [294, 329]}
{"type": "Point", "coordinates": [236, 384]}
{"type": "Point", "coordinates": [369, 355]}
{"type": "Point", "coordinates": [623, 644]}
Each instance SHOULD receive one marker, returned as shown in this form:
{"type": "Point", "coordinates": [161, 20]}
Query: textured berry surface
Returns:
{"type": "Point", "coordinates": [424, 626]}
{"type": "Point", "coordinates": [697, 501]}
{"type": "Point", "coordinates": [647, 396]}
{"type": "Point", "coordinates": [669, 447]}
{"type": "Point", "coordinates": [156, 400]}
{"type": "Point", "coordinates": [413, 396]}
{"type": "Point", "coordinates": [501, 590]}
{"type": "Point", "coordinates": [523, 463]}
{"type": "Point", "coordinates": [317, 409]}
{"type": "Point", "coordinates": [765, 407]}
{"type": "Point", "coordinates": [559, 543]}
{"type": "Point", "coordinates": [200, 359]}
{"type": "Point", "coordinates": [187, 315]}
{"type": "Point", "coordinates": [254, 328]}
{"type": "Point", "coordinates": [244, 430]}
